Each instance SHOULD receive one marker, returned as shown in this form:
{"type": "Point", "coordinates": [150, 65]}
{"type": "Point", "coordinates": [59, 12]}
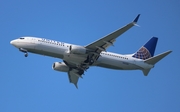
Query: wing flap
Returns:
{"type": "Point", "coordinates": [73, 78]}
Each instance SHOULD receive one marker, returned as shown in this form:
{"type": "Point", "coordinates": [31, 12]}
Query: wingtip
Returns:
{"type": "Point", "coordinates": [76, 86]}
{"type": "Point", "coordinates": [136, 19]}
{"type": "Point", "coordinates": [169, 51]}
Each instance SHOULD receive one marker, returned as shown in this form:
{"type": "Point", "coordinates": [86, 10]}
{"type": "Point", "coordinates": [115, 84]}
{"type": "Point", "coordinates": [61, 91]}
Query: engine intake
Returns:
{"type": "Point", "coordinates": [60, 66]}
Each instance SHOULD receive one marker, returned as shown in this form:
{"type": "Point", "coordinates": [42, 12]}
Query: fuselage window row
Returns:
{"type": "Point", "coordinates": [55, 43]}
{"type": "Point", "coordinates": [114, 56]}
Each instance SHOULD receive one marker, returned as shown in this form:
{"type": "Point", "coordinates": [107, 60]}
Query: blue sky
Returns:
{"type": "Point", "coordinates": [30, 84]}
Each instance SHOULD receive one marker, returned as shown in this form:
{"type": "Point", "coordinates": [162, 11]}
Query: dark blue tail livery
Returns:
{"type": "Point", "coordinates": [147, 50]}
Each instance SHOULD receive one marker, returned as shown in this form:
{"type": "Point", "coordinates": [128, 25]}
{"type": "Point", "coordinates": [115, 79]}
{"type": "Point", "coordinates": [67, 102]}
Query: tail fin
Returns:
{"type": "Point", "coordinates": [147, 50]}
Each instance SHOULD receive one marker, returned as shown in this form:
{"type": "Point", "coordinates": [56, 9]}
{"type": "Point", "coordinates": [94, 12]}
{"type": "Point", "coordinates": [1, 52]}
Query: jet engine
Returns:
{"type": "Point", "coordinates": [74, 49]}
{"type": "Point", "coordinates": [60, 66]}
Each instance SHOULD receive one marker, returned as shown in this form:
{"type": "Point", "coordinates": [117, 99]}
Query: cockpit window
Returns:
{"type": "Point", "coordinates": [21, 38]}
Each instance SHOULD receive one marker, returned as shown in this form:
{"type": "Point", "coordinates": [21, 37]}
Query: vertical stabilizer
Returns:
{"type": "Point", "coordinates": [147, 50]}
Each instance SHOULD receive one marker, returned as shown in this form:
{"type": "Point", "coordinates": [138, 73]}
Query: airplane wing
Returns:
{"type": "Point", "coordinates": [96, 47]}
{"type": "Point", "coordinates": [74, 73]}
{"type": "Point", "coordinates": [73, 78]}
{"type": "Point", "coordinates": [103, 43]}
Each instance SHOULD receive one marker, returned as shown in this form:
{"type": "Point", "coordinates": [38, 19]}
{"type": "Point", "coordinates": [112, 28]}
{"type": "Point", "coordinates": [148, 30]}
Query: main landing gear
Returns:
{"type": "Point", "coordinates": [24, 51]}
{"type": "Point", "coordinates": [89, 60]}
{"type": "Point", "coordinates": [26, 54]}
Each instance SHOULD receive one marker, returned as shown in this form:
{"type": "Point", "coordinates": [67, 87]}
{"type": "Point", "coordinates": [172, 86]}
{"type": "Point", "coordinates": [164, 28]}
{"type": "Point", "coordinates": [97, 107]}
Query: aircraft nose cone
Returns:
{"type": "Point", "coordinates": [12, 42]}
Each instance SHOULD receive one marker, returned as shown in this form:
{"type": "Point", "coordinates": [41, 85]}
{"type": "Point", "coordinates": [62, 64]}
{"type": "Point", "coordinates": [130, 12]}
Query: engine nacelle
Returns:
{"type": "Point", "coordinates": [77, 49]}
{"type": "Point", "coordinates": [60, 66]}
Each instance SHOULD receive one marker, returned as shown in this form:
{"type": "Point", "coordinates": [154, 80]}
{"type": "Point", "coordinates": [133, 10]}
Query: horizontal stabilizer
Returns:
{"type": "Point", "coordinates": [146, 71]}
{"type": "Point", "coordinates": [155, 59]}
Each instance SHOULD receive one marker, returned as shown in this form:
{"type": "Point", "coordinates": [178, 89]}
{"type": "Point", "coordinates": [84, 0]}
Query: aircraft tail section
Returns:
{"type": "Point", "coordinates": [146, 71]}
{"type": "Point", "coordinates": [147, 51]}
{"type": "Point", "coordinates": [154, 60]}
{"type": "Point", "coordinates": [157, 58]}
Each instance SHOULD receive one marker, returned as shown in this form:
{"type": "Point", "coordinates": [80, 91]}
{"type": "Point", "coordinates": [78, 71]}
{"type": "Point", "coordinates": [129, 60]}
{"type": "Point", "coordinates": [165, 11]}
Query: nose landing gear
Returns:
{"type": "Point", "coordinates": [24, 51]}
{"type": "Point", "coordinates": [26, 54]}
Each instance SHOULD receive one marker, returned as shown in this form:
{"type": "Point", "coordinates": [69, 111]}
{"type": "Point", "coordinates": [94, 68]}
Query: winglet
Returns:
{"type": "Point", "coordinates": [136, 19]}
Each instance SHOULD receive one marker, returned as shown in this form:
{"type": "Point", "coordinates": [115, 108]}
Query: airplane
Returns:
{"type": "Point", "coordinates": [77, 59]}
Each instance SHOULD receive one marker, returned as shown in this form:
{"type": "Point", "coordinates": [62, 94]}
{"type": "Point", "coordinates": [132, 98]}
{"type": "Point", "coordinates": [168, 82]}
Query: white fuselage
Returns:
{"type": "Point", "coordinates": [59, 50]}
